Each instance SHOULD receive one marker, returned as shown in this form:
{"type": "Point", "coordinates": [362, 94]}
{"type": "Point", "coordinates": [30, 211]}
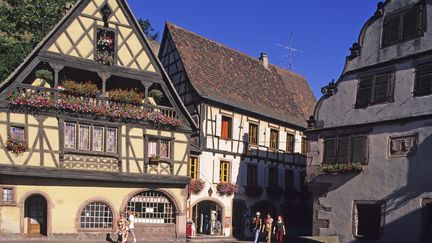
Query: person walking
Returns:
{"type": "Point", "coordinates": [268, 227]}
{"type": "Point", "coordinates": [122, 225]}
{"type": "Point", "coordinates": [256, 226]}
{"type": "Point", "coordinates": [131, 219]}
{"type": "Point", "coordinates": [279, 229]}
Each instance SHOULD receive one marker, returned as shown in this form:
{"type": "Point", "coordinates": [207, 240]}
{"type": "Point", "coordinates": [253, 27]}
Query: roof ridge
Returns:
{"type": "Point", "coordinates": [229, 48]}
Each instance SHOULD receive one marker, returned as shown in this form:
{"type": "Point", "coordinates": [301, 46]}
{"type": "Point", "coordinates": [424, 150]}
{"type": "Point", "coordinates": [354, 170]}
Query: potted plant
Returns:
{"type": "Point", "coordinates": [226, 188]}
{"type": "Point", "coordinates": [154, 159]}
{"type": "Point", "coordinates": [16, 146]}
{"type": "Point", "coordinates": [44, 78]}
{"type": "Point", "coordinates": [87, 89]}
{"type": "Point", "coordinates": [131, 96]}
{"type": "Point", "coordinates": [196, 186]}
{"type": "Point", "coordinates": [156, 94]}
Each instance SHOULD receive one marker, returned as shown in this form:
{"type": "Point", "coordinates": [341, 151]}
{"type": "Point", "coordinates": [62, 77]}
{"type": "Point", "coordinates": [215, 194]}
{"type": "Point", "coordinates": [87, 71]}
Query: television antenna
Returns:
{"type": "Point", "coordinates": [291, 50]}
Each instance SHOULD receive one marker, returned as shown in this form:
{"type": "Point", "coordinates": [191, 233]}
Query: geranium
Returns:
{"type": "Point", "coordinates": [16, 146]}
{"type": "Point", "coordinates": [87, 89]}
{"type": "Point", "coordinates": [160, 119]}
{"type": "Point", "coordinates": [196, 186]}
{"type": "Point", "coordinates": [34, 100]}
{"type": "Point", "coordinates": [126, 96]}
{"type": "Point", "coordinates": [105, 42]}
{"type": "Point", "coordinates": [105, 57]}
{"type": "Point", "coordinates": [226, 188]}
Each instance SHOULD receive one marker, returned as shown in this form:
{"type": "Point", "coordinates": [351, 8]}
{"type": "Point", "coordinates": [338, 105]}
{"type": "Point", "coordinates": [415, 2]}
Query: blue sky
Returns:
{"type": "Point", "coordinates": [323, 30]}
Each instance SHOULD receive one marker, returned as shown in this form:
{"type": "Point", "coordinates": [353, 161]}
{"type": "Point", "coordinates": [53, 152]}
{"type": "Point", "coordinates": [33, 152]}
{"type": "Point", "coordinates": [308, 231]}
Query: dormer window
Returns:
{"type": "Point", "coordinates": [404, 25]}
{"type": "Point", "coordinates": [105, 47]}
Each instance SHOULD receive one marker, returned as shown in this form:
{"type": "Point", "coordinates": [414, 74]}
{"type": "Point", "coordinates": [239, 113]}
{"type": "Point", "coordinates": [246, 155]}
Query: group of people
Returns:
{"type": "Point", "coordinates": [268, 227]}
{"type": "Point", "coordinates": [126, 226]}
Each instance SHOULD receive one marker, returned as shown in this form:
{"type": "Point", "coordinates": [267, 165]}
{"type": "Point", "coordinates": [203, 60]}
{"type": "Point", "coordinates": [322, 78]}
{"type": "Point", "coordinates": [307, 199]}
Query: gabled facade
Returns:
{"type": "Point", "coordinates": [370, 135]}
{"type": "Point", "coordinates": [246, 135]}
{"type": "Point", "coordinates": [90, 126]}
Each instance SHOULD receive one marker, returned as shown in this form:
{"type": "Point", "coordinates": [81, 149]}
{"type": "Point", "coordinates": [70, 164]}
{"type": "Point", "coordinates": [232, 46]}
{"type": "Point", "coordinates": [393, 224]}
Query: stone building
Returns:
{"type": "Point", "coordinates": [251, 117]}
{"type": "Point", "coordinates": [91, 126]}
{"type": "Point", "coordinates": [370, 137]}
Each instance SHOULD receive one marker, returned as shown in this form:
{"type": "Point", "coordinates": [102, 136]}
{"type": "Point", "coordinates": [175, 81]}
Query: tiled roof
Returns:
{"type": "Point", "coordinates": [154, 46]}
{"type": "Point", "coordinates": [228, 76]}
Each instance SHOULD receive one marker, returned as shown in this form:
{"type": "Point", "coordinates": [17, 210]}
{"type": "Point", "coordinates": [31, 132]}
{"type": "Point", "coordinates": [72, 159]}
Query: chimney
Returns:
{"type": "Point", "coordinates": [264, 59]}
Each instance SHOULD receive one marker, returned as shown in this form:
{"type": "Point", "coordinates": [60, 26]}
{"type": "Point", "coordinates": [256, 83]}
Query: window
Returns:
{"type": "Point", "coordinates": [224, 171]}
{"type": "Point", "coordinates": [368, 219]}
{"type": "Point", "coordinates": [152, 207]}
{"type": "Point", "coordinates": [289, 180]}
{"type": "Point", "coordinates": [8, 195]}
{"type": "Point", "coordinates": [290, 143]}
{"type": "Point", "coordinates": [374, 89]}
{"type": "Point", "coordinates": [252, 175]}
{"type": "Point", "coordinates": [84, 137]}
{"type": "Point", "coordinates": [423, 80]}
{"type": "Point", "coordinates": [273, 177]}
{"type": "Point", "coordinates": [404, 25]}
{"type": "Point", "coordinates": [69, 133]}
{"type": "Point", "coordinates": [96, 215]}
{"type": "Point", "coordinates": [90, 137]}
{"type": "Point", "coordinates": [18, 132]}
{"type": "Point", "coordinates": [253, 134]}
{"type": "Point", "coordinates": [274, 138]}
{"type": "Point", "coordinates": [98, 138]}
{"type": "Point", "coordinates": [159, 147]}
{"type": "Point", "coordinates": [193, 167]}
{"type": "Point", "coordinates": [111, 140]}
{"type": "Point", "coordinates": [345, 149]}
{"type": "Point", "coordinates": [226, 127]}
{"type": "Point", "coordinates": [303, 146]}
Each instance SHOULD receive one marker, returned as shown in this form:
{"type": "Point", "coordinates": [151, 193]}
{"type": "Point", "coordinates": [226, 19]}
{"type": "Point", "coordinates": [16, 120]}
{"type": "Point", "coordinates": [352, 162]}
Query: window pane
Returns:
{"type": "Point", "coordinates": [111, 140]}
{"type": "Point", "coordinates": [226, 127]}
{"type": "Point", "coordinates": [69, 134]}
{"type": "Point", "coordinates": [17, 133]}
{"type": "Point", "coordinates": [290, 143]}
{"type": "Point", "coordinates": [253, 133]}
{"type": "Point", "coordinates": [274, 137]}
{"type": "Point", "coordinates": [152, 207]}
{"type": "Point", "coordinates": [252, 175]}
{"type": "Point", "coordinates": [193, 167]}
{"type": "Point", "coordinates": [84, 137]}
{"type": "Point", "coordinates": [364, 91]}
{"type": "Point", "coordinates": [164, 149]}
{"type": "Point", "coordinates": [343, 150]}
{"type": "Point", "coordinates": [382, 83]}
{"type": "Point", "coordinates": [96, 215]}
{"type": "Point", "coordinates": [7, 195]}
{"type": "Point", "coordinates": [224, 171]}
{"type": "Point", "coordinates": [273, 177]}
{"type": "Point", "coordinates": [304, 146]}
{"type": "Point", "coordinates": [329, 150]}
{"type": "Point", "coordinates": [152, 147]}
{"type": "Point", "coordinates": [98, 135]}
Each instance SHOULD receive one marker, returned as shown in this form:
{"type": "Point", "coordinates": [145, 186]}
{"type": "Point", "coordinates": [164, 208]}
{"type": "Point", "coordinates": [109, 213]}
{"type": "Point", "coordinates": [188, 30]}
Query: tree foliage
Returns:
{"type": "Point", "coordinates": [23, 24]}
{"type": "Point", "coordinates": [148, 30]}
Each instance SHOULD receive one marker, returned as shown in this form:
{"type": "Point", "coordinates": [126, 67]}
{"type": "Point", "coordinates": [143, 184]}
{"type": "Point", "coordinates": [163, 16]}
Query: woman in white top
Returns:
{"type": "Point", "coordinates": [131, 219]}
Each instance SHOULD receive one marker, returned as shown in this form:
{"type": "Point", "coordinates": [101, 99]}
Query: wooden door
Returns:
{"type": "Point", "coordinates": [36, 214]}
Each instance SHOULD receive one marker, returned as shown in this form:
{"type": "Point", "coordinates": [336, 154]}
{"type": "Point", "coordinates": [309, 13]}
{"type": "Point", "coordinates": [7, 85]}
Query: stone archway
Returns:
{"type": "Point", "coordinates": [208, 217]}
{"type": "Point", "coordinates": [36, 215]}
{"type": "Point", "coordinates": [264, 207]}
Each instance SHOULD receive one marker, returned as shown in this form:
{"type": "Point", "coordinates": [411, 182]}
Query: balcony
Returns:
{"type": "Point", "coordinates": [28, 98]}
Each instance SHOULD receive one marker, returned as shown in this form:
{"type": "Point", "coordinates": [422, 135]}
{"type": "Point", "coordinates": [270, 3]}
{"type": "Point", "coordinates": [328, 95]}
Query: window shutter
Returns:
{"type": "Point", "coordinates": [411, 23]}
{"type": "Point", "coordinates": [216, 170]}
{"type": "Point", "coordinates": [236, 129]}
{"type": "Point", "coordinates": [392, 30]}
{"type": "Point", "coordinates": [329, 150]}
{"type": "Point", "coordinates": [343, 149]}
{"type": "Point", "coordinates": [359, 149]}
{"type": "Point", "coordinates": [218, 125]}
{"type": "Point", "coordinates": [245, 133]}
{"type": "Point", "coordinates": [364, 92]}
{"type": "Point", "coordinates": [423, 83]}
{"type": "Point", "coordinates": [267, 137]}
{"type": "Point", "coordinates": [282, 140]}
{"type": "Point", "coordinates": [382, 88]}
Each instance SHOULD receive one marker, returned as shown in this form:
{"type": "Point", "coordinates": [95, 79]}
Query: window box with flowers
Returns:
{"type": "Point", "coordinates": [131, 96]}
{"type": "Point", "coordinates": [154, 159]}
{"type": "Point", "coordinates": [16, 146]}
{"type": "Point", "coordinates": [196, 186]}
{"type": "Point", "coordinates": [341, 168]}
{"type": "Point", "coordinates": [226, 188]}
{"type": "Point", "coordinates": [105, 47]}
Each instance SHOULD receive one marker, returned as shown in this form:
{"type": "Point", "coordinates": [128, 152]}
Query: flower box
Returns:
{"type": "Point", "coordinates": [154, 159]}
{"type": "Point", "coordinates": [226, 188]}
{"type": "Point", "coordinates": [340, 168]}
{"type": "Point", "coordinates": [196, 186]}
{"type": "Point", "coordinates": [16, 146]}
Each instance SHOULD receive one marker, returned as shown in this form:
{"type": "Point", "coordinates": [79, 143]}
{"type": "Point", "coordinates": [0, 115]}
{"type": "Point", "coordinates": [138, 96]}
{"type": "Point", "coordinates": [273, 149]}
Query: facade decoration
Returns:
{"type": "Point", "coordinates": [80, 133]}
{"type": "Point", "coordinates": [249, 147]}
{"type": "Point", "coordinates": [370, 141]}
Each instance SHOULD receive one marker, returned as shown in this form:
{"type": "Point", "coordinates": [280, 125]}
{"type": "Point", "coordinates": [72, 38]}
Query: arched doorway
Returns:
{"type": "Point", "coordinates": [207, 216]}
{"type": "Point", "coordinates": [35, 215]}
{"type": "Point", "coordinates": [239, 212]}
{"type": "Point", "coordinates": [264, 207]}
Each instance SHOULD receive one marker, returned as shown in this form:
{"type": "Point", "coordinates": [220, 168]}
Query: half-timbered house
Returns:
{"type": "Point", "coordinates": [91, 126]}
{"type": "Point", "coordinates": [251, 117]}
{"type": "Point", "coordinates": [370, 136]}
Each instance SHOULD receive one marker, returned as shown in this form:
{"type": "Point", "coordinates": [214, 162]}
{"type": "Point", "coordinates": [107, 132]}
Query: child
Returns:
{"type": "Point", "coordinates": [122, 224]}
